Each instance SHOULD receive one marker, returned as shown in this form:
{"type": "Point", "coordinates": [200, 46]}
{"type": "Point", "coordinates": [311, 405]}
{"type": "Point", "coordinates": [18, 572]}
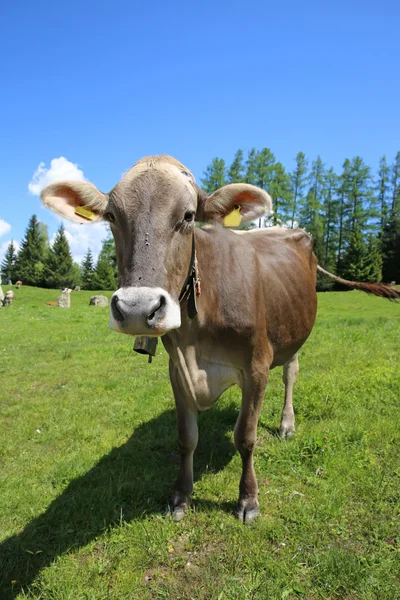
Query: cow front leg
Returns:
{"type": "Point", "coordinates": [245, 440]}
{"type": "Point", "coordinates": [290, 370]}
{"type": "Point", "coordinates": [188, 437]}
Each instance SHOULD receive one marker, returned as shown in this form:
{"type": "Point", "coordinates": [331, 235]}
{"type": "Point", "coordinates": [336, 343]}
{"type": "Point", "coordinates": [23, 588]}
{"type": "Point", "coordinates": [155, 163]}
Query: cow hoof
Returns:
{"type": "Point", "coordinates": [286, 431]}
{"type": "Point", "coordinates": [178, 507]}
{"type": "Point", "coordinates": [247, 511]}
{"type": "Point", "coordinates": [179, 514]}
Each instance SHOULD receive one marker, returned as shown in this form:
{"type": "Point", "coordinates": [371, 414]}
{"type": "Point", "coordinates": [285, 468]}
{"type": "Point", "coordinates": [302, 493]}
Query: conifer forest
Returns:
{"type": "Point", "coordinates": [353, 216]}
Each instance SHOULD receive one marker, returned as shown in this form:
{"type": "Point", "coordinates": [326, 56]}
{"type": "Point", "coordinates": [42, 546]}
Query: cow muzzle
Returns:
{"type": "Point", "coordinates": [143, 311]}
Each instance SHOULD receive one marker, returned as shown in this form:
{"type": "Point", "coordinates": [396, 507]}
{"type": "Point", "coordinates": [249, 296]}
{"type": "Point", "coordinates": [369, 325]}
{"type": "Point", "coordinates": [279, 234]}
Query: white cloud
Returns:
{"type": "Point", "coordinates": [4, 227]}
{"type": "Point", "coordinates": [60, 168]}
{"type": "Point", "coordinates": [267, 221]}
{"type": "Point", "coordinates": [80, 237]}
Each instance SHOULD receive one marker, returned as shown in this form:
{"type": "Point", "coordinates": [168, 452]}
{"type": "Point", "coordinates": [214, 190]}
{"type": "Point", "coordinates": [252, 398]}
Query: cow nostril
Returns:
{"type": "Point", "coordinates": [162, 301]}
{"type": "Point", "coordinates": [116, 313]}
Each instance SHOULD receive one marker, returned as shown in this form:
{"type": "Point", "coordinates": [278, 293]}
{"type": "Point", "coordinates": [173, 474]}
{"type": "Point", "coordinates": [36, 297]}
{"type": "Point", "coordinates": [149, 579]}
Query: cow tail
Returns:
{"type": "Point", "coordinates": [378, 289]}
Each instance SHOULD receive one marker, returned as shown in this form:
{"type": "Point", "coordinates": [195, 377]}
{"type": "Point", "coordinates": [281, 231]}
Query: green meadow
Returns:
{"type": "Point", "coordinates": [88, 456]}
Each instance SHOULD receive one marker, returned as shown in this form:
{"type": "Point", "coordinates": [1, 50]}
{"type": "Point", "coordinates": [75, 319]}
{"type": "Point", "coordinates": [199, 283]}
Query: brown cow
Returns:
{"type": "Point", "coordinates": [256, 308]}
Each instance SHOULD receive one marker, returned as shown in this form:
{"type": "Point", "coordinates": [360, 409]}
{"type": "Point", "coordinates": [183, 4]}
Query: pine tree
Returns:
{"type": "Point", "coordinates": [324, 227]}
{"type": "Point", "coordinates": [298, 182]}
{"type": "Point", "coordinates": [214, 175]}
{"type": "Point", "coordinates": [317, 179]}
{"type": "Point", "coordinates": [326, 243]}
{"type": "Point", "coordinates": [8, 264]}
{"type": "Point", "coordinates": [58, 270]}
{"type": "Point", "coordinates": [87, 270]}
{"type": "Point", "coordinates": [259, 169]}
{"type": "Point", "coordinates": [251, 167]}
{"type": "Point", "coordinates": [395, 181]}
{"type": "Point", "coordinates": [32, 255]}
{"type": "Point", "coordinates": [105, 276]}
{"type": "Point", "coordinates": [374, 259]}
{"type": "Point", "coordinates": [265, 164]}
{"type": "Point", "coordinates": [391, 233]}
{"type": "Point", "coordinates": [383, 191]}
{"type": "Point", "coordinates": [343, 213]}
{"type": "Point", "coordinates": [281, 194]}
{"type": "Point", "coordinates": [236, 172]}
{"type": "Point", "coordinates": [330, 219]}
{"type": "Point", "coordinates": [360, 194]}
{"type": "Point", "coordinates": [76, 275]}
{"type": "Point", "coordinates": [110, 252]}
{"type": "Point", "coordinates": [311, 221]}
{"type": "Point", "coordinates": [356, 265]}
{"type": "Point", "coordinates": [311, 207]}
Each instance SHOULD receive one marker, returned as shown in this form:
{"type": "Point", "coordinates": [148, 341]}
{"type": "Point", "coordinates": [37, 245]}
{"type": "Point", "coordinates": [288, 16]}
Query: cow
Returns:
{"type": "Point", "coordinates": [228, 307]}
{"type": "Point", "coordinates": [8, 298]}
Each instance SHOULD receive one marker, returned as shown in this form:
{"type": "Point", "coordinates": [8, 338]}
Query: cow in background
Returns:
{"type": "Point", "coordinates": [8, 298]}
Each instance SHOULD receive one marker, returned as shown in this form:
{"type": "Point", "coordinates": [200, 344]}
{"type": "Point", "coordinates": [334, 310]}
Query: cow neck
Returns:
{"type": "Point", "coordinates": [191, 287]}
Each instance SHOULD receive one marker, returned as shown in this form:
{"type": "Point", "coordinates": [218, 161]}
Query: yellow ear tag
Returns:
{"type": "Point", "coordinates": [82, 211]}
{"type": "Point", "coordinates": [234, 218]}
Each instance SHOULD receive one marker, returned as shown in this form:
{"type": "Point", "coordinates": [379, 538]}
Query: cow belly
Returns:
{"type": "Point", "coordinates": [202, 380]}
{"type": "Point", "coordinates": [282, 356]}
{"type": "Point", "coordinates": [210, 380]}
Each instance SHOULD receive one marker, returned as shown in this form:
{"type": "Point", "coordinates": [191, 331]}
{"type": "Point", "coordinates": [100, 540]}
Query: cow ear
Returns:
{"type": "Point", "coordinates": [252, 201]}
{"type": "Point", "coordinates": [78, 201]}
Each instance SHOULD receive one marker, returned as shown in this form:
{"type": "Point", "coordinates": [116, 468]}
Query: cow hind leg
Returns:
{"type": "Point", "coordinates": [245, 440]}
{"type": "Point", "coordinates": [290, 370]}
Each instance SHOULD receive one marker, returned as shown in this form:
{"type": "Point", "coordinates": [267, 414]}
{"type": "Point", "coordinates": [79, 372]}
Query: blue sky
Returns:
{"type": "Point", "coordinates": [105, 83]}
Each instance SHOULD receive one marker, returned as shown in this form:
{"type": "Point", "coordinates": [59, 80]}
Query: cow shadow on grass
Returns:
{"type": "Point", "coordinates": [130, 482]}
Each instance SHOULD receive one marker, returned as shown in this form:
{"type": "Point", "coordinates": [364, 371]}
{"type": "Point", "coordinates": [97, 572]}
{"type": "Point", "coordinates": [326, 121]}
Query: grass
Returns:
{"type": "Point", "coordinates": [88, 456]}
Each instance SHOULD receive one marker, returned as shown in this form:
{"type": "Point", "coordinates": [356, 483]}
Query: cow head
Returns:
{"type": "Point", "coordinates": [152, 213]}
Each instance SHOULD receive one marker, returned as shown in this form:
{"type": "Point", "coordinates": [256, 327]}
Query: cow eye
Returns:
{"type": "Point", "coordinates": [189, 216]}
{"type": "Point", "coordinates": [109, 217]}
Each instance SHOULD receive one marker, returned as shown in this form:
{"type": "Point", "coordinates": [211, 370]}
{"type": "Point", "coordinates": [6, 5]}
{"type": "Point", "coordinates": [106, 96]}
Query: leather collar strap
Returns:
{"type": "Point", "coordinates": [192, 285]}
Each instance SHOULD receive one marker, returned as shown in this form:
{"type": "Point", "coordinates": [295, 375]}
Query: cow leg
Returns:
{"type": "Point", "coordinates": [188, 436]}
{"type": "Point", "coordinates": [290, 370]}
{"type": "Point", "coordinates": [245, 441]}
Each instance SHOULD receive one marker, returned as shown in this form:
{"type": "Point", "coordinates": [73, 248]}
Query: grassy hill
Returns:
{"type": "Point", "coordinates": [88, 453]}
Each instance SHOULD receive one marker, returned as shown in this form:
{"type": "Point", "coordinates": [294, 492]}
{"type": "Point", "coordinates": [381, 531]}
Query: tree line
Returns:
{"type": "Point", "coordinates": [51, 266]}
{"type": "Point", "coordinates": [353, 217]}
